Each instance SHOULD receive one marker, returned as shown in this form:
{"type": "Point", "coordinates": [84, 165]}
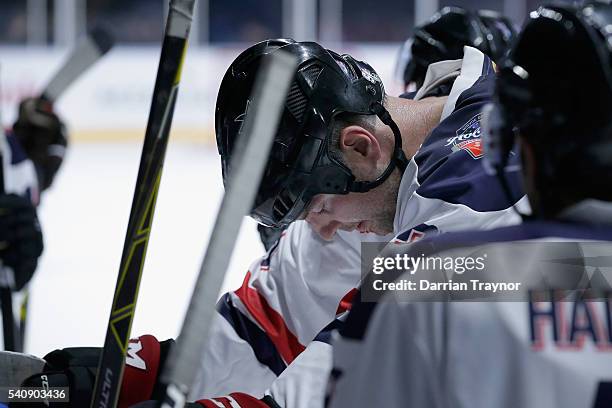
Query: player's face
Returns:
{"type": "Point", "coordinates": [363, 212]}
{"type": "Point", "coordinates": [370, 212]}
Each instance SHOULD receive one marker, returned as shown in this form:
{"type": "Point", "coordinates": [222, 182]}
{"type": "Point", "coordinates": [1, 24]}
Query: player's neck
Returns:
{"type": "Point", "coordinates": [415, 119]}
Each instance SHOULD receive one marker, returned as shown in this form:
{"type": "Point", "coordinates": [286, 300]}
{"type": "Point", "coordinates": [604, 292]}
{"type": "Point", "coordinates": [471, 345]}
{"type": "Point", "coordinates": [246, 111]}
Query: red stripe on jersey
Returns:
{"type": "Point", "coordinates": [226, 403]}
{"type": "Point", "coordinates": [270, 320]}
{"type": "Point", "coordinates": [346, 302]}
{"type": "Point", "coordinates": [215, 403]}
{"type": "Point", "coordinates": [248, 401]}
{"type": "Point", "coordinates": [243, 400]}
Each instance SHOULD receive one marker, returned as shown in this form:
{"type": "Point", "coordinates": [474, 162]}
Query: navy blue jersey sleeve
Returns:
{"type": "Point", "coordinates": [449, 162]}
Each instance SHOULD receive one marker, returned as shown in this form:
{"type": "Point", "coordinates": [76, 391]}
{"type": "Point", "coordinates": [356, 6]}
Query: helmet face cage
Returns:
{"type": "Point", "coordinates": [301, 165]}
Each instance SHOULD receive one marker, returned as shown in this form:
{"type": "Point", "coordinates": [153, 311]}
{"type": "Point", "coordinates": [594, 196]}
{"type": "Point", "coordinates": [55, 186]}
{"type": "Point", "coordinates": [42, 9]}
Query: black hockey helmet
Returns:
{"type": "Point", "coordinates": [555, 89]}
{"type": "Point", "coordinates": [301, 165]}
{"type": "Point", "coordinates": [445, 35]}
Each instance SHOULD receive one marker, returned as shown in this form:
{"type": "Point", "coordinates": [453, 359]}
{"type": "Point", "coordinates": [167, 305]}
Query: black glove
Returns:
{"type": "Point", "coordinates": [74, 368]}
{"type": "Point", "coordinates": [43, 137]}
{"type": "Point", "coordinates": [21, 240]}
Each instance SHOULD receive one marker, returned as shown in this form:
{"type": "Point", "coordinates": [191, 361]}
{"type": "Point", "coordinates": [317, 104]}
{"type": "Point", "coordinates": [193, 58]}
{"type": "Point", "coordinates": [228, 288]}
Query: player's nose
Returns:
{"type": "Point", "coordinates": [323, 226]}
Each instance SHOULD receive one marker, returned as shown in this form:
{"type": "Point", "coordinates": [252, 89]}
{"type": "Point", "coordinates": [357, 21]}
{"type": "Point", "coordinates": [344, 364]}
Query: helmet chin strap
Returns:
{"type": "Point", "coordinates": [398, 158]}
{"type": "Point", "coordinates": [501, 177]}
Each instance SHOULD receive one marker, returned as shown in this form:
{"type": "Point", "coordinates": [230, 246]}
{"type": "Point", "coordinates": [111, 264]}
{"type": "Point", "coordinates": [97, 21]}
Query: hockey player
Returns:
{"type": "Point", "coordinates": [42, 137]}
{"type": "Point", "coordinates": [350, 164]}
{"type": "Point", "coordinates": [553, 97]}
{"type": "Point", "coordinates": [32, 152]}
{"type": "Point", "coordinates": [443, 39]}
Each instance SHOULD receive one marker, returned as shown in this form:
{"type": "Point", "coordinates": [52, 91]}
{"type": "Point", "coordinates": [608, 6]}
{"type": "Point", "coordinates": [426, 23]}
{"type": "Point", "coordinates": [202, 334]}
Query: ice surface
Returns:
{"type": "Point", "coordinates": [84, 219]}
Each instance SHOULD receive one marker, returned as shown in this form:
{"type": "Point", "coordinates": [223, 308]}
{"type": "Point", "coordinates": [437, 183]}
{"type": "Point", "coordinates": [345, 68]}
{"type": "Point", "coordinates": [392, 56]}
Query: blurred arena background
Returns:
{"type": "Point", "coordinates": [84, 216]}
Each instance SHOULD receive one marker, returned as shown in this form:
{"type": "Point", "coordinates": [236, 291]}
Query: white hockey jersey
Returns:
{"type": "Point", "coordinates": [269, 337]}
{"type": "Point", "coordinates": [528, 354]}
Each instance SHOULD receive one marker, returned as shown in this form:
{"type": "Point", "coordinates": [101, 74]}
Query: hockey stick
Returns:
{"type": "Point", "coordinates": [86, 53]}
{"type": "Point", "coordinates": [9, 327]}
{"type": "Point", "coordinates": [247, 169]}
{"type": "Point", "coordinates": [10, 330]}
{"type": "Point", "coordinates": [112, 361]}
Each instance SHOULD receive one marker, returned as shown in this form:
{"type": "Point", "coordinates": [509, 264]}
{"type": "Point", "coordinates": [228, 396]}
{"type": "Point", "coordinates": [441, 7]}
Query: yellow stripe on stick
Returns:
{"type": "Point", "coordinates": [177, 78]}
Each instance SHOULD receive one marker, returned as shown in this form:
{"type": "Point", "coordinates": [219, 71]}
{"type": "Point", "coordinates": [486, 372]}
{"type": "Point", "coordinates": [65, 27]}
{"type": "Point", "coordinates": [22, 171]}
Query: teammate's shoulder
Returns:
{"type": "Point", "coordinates": [449, 168]}
{"type": "Point", "coordinates": [477, 80]}
{"type": "Point", "coordinates": [481, 91]}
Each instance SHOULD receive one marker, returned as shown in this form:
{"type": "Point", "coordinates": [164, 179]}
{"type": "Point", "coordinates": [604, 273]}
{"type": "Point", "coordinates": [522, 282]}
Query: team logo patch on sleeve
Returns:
{"type": "Point", "coordinates": [468, 138]}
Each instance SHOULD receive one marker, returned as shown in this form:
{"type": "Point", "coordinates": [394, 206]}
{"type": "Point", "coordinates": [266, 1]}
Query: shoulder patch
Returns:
{"type": "Point", "coordinates": [468, 138]}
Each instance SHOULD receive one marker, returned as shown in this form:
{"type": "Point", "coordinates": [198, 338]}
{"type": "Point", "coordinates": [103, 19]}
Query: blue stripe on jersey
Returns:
{"type": "Point", "coordinates": [449, 165]}
{"type": "Point", "coordinates": [487, 67]}
{"type": "Point", "coordinates": [262, 346]}
{"type": "Point", "coordinates": [358, 318]}
{"type": "Point", "coordinates": [17, 153]}
{"type": "Point", "coordinates": [324, 335]}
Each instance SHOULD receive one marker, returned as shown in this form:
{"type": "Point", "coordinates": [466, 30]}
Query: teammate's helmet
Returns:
{"type": "Point", "coordinates": [301, 164]}
{"type": "Point", "coordinates": [445, 35]}
{"type": "Point", "coordinates": [555, 90]}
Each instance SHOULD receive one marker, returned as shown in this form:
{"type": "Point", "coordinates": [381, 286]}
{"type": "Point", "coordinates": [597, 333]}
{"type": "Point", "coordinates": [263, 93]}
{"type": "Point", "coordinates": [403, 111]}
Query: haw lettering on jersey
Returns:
{"type": "Point", "coordinates": [570, 324]}
{"type": "Point", "coordinates": [468, 138]}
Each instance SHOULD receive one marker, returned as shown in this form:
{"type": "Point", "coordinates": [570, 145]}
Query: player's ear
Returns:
{"type": "Point", "coordinates": [359, 143]}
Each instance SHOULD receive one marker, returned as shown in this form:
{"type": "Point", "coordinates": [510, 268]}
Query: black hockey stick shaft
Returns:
{"type": "Point", "coordinates": [112, 361]}
{"type": "Point", "coordinates": [9, 328]}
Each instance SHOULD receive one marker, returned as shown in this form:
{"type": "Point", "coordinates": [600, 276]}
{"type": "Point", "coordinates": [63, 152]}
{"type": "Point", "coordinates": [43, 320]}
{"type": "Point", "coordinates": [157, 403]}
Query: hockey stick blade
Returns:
{"type": "Point", "coordinates": [86, 53]}
{"type": "Point", "coordinates": [112, 360]}
{"type": "Point", "coordinates": [246, 170]}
